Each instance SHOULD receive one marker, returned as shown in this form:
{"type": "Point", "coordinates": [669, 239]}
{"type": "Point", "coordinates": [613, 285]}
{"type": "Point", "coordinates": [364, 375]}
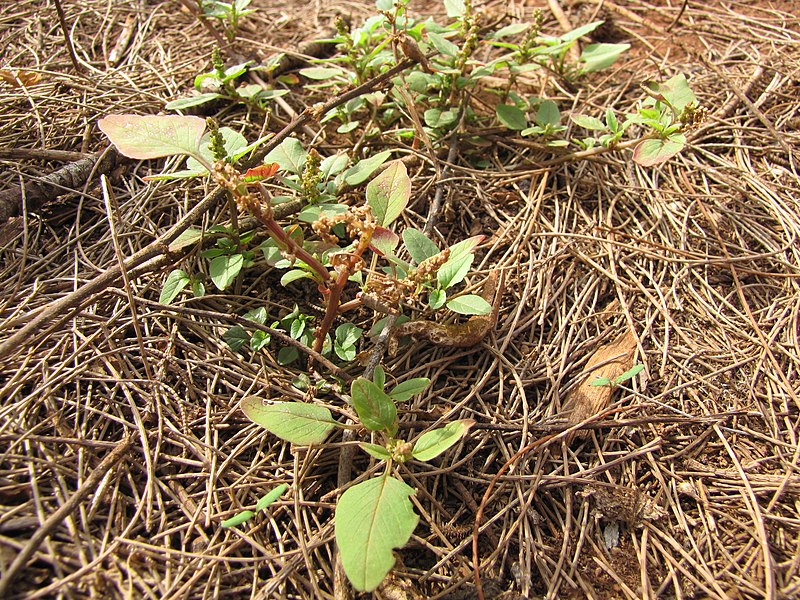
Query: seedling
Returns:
{"type": "Point", "coordinates": [620, 379]}
{"type": "Point", "coordinates": [547, 120]}
{"type": "Point", "coordinates": [670, 108]}
{"type": "Point", "coordinates": [264, 502]}
{"type": "Point", "coordinates": [228, 13]}
{"type": "Point", "coordinates": [375, 516]}
{"type": "Point", "coordinates": [176, 281]}
{"type": "Point", "coordinates": [221, 84]}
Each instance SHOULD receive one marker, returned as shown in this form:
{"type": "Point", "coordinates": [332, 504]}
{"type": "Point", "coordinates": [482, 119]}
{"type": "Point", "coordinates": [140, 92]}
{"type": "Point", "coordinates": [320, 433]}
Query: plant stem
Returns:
{"type": "Point", "coordinates": [334, 294]}
{"type": "Point", "coordinates": [277, 233]}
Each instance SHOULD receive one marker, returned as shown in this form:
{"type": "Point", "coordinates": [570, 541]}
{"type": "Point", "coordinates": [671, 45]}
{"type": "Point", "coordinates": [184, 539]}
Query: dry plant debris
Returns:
{"type": "Point", "coordinates": [609, 362]}
{"type": "Point", "coordinates": [698, 258]}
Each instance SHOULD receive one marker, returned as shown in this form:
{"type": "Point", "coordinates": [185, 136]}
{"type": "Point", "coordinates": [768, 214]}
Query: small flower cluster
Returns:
{"type": "Point", "coordinates": [357, 219]}
{"type": "Point", "coordinates": [427, 269]}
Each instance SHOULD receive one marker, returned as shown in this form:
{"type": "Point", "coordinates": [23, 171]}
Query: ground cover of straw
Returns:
{"type": "Point", "coordinates": [696, 464]}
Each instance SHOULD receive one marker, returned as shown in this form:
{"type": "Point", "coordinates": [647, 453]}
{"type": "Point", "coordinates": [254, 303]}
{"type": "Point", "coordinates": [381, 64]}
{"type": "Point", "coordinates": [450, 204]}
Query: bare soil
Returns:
{"type": "Point", "coordinates": [122, 446]}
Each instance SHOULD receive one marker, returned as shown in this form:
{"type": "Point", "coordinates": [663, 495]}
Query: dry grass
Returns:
{"type": "Point", "coordinates": [696, 466]}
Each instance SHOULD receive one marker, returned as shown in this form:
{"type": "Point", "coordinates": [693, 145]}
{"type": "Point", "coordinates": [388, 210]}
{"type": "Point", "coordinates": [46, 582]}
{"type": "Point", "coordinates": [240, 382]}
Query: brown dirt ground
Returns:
{"type": "Point", "coordinates": [696, 465]}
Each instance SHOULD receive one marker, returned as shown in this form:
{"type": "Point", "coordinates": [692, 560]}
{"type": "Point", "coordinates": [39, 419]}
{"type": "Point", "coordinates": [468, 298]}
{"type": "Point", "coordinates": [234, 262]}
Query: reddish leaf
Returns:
{"type": "Point", "coordinates": [153, 136]}
{"type": "Point", "coordinates": [261, 173]}
{"type": "Point", "coordinates": [384, 241]}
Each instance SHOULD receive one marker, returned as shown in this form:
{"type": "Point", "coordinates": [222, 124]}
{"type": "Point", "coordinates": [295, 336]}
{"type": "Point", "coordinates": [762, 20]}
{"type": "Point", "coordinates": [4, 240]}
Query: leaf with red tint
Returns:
{"type": "Point", "coordinates": [384, 241]}
{"type": "Point", "coordinates": [154, 136]}
{"type": "Point", "coordinates": [261, 173]}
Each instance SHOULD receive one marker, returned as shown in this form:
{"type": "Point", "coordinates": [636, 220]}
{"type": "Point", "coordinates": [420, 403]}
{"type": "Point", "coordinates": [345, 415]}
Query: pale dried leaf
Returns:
{"type": "Point", "coordinates": [20, 77]}
{"type": "Point", "coordinates": [610, 361]}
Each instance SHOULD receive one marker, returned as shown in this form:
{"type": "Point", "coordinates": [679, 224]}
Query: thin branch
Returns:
{"type": "Point", "coordinates": [62, 20]}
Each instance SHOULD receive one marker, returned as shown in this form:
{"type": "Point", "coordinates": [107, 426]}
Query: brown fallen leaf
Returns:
{"type": "Point", "coordinates": [20, 77]}
{"type": "Point", "coordinates": [621, 503]}
{"type": "Point", "coordinates": [611, 361]}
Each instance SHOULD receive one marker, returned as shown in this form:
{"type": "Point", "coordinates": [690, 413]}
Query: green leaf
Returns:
{"type": "Point", "coordinates": [321, 73]}
{"type": "Point", "coordinates": [333, 164]}
{"type": "Point", "coordinates": [437, 298]}
{"type": "Point", "coordinates": [375, 408]}
{"type": "Point", "coordinates": [379, 377]}
{"type": "Point", "coordinates": [294, 275]}
{"type": "Point", "coordinates": [259, 340]}
{"type": "Point", "coordinates": [266, 95]}
{"type": "Point", "coordinates": [232, 141]}
{"type": "Point", "coordinates": [236, 337]}
{"type": "Point", "coordinates": [347, 127]}
{"type": "Point", "coordinates": [596, 57]}
{"type": "Point", "coordinates": [436, 117]}
{"type": "Point", "coordinates": [295, 422]}
{"type": "Point", "coordinates": [512, 29]}
{"type": "Point", "coordinates": [581, 31]}
{"type": "Point", "coordinates": [198, 289]}
{"type": "Point", "coordinates": [257, 315]}
{"type": "Point", "coordinates": [676, 91]}
{"type": "Point", "coordinates": [592, 123]}
{"type": "Point", "coordinates": [457, 266]}
{"type": "Point", "coordinates": [442, 44]}
{"type": "Point", "coordinates": [187, 238]}
{"type": "Point", "coordinates": [648, 153]}
{"type": "Point", "coordinates": [454, 271]}
{"type": "Point", "coordinates": [511, 116]}
{"type": "Point", "coordinates": [287, 355]}
{"type": "Point", "coordinates": [313, 213]}
{"type": "Point", "coordinates": [175, 282]}
{"type": "Point", "coordinates": [455, 8]}
{"type": "Point", "coordinates": [548, 114]}
{"type": "Point", "coordinates": [371, 520]}
{"type": "Point", "coordinates": [469, 304]}
{"type": "Point", "coordinates": [224, 269]}
{"type": "Point", "coordinates": [465, 247]}
{"type": "Point", "coordinates": [363, 169]}
{"type": "Point", "coordinates": [250, 90]}
{"type": "Point", "coordinates": [375, 451]}
{"type": "Point", "coordinates": [611, 120]}
{"type": "Point", "coordinates": [271, 497]}
{"type": "Point", "coordinates": [290, 155]}
{"type": "Point", "coordinates": [419, 245]}
{"type": "Point", "coordinates": [348, 334]}
{"type": "Point", "coordinates": [389, 192]}
{"type": "Point", "coordinates": [182, 103]}
{"type": "Point", "coordinates": [153, 136]}
{"type": "Point", "coordinates": [432, 443]}
{"type": "Point", "coordinates": [238, 519]}
{"type": "Point", "coordinates": [297, 328]}
{"type": "Point", "coordinates": [410, 387]}
{"type": "Point", "coordinates": [420, 82]}
{"type": "Point", "coordinates": [629, 374]}
{"type": "Point", "coordinates": [346, 353]}
{"type": "Point", "coordinates": [234, 72]}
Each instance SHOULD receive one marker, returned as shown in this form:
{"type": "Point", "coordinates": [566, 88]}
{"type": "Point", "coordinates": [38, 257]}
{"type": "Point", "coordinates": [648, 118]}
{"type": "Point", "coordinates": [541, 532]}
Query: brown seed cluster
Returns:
{"type": "Point", "coordinates": [692, 117]}
{"type": "Point", "coordinates": [358, 222]}
{"type": "Point", "coordinates": [387, 292]}
{"type": "Point", "coordinates": [427, 269]}
{"type": "Point", "coordinates": [226, 176]}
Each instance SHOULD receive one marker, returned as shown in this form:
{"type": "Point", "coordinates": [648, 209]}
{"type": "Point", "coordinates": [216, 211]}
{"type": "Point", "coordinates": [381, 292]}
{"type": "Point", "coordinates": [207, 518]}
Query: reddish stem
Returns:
{"type": "Point", "coordinates": [331, 308]}
{"type": "Point", "coordinates": [277, 233]}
